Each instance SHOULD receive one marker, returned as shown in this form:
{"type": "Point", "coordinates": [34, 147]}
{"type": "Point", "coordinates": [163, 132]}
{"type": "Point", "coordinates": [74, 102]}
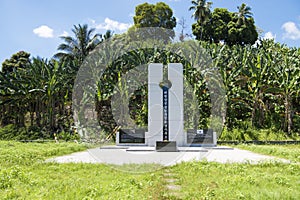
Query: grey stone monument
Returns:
{"type": "Point", "coordinates": [165, 107]}
{"type": "Point", "coordinates": [166, 114]}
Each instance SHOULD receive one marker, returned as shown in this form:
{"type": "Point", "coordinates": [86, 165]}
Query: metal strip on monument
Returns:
{"type": "Point", "coordinates": [165, 113]}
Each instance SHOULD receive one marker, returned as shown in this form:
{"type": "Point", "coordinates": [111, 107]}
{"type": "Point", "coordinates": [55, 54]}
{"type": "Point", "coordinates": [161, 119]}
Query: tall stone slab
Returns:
{"type": "Point", "coordinates": [155, 109]}
{"type": "Point", "coordinates": [176, 119]}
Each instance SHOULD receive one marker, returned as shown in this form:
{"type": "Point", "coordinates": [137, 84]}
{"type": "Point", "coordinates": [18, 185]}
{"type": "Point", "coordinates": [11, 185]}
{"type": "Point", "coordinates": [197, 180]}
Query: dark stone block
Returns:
{"type": "Point", "coordinates": [166, 146]}
{"type": "Point", "coordinates": [204, 136]}
{"type": "Point", "coordinates": [132, 136]}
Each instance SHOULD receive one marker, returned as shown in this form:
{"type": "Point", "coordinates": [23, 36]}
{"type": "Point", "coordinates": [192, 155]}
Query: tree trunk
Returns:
{"type": "Point", "coordinates": [52, 114]}
{"type": "Point", "coordinates": [288, 115]}
{"type": "Point", "coordinates": [253, 114]}
{"type": "Point", "coordinates": [261, 116]}
{"type": "Point", "coordinates": [37, 113]}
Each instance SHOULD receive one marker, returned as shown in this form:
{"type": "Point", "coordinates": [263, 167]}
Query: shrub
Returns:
{"type": "Point", "coordinates": [11, 132]}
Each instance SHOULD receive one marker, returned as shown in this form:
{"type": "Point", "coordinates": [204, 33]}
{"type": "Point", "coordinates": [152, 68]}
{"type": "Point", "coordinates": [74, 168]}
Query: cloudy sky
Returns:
{"type": "Point", "coordinates": [36, 25]}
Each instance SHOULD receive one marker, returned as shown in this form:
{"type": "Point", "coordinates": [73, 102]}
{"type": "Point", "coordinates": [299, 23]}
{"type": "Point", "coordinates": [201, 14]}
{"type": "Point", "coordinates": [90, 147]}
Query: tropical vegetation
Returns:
{"type": "Point", "coordinates": [260, 80]}
{"type": "Point", "coordinates": [224, 26]}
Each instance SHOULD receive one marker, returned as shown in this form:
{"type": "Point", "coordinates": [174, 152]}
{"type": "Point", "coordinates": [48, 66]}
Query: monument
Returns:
{"type": "Point", "coordinates": [165, 106]}
{"type": "Point", "coordinates": [166, 114]}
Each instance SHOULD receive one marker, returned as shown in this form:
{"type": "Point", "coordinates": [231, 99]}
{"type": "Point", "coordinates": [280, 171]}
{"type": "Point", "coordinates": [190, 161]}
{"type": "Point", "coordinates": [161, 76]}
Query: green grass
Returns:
{"type": "Point", "coordinates": [290, 152]}
{"type": "Point", "coordinates": [25, 175]}
{"type": "Point", "coordinates": [203, 180]}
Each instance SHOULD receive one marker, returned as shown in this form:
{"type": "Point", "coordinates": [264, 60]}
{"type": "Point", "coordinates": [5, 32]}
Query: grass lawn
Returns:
{"type": "Point", "coordinates": [290, 152]}
{"type": "Point", "coordinates": [24, 175]}
{"type": "Point", "coordinates": [238, 181]}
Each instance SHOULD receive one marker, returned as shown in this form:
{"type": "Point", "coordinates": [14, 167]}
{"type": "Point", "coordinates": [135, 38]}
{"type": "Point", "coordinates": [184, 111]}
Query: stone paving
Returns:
{"type": "Point", "coordinates": [140, 155]}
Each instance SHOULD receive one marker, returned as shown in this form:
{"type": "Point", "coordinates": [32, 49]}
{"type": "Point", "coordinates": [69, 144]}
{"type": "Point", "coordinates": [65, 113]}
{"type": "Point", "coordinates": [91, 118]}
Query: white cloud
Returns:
{"type": "Point", "coordinates": [291, 31]}
{"type": "Point", "coordinates": [113, 25]}
{"type": "Point", "coordinates": [269, 36]}
{"type": "Point", "coordinates": [64, 34]}
{"type": "Point", "coordinates": [44, 31]}
{"type": "Point", "coordinates": [92, 21]}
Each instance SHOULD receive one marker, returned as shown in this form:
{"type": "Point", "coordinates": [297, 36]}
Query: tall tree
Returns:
{"type": "Point", "coordinates": [78, 47]}
{"type": "Point", "coordinates": [224, 26]}
{"type": "Point", "coordinates": [150, 15]}
{"type": "Point", "coordinates": [201, 13]}
{"type": "Point", "coordinates": [216, 30]}
{"type": "Point", "coordinates": [154, 15]}
{"type": "Point", "coordinates": [17, 60]}
{"type": "Point", "coordinates": [242, 34]}
{"type": "Point", "coordinates": [243, 14]}
{"type": "Point", "coordinates": [201, 10]}
{"type": "Point", "coordinates": [12, 106]}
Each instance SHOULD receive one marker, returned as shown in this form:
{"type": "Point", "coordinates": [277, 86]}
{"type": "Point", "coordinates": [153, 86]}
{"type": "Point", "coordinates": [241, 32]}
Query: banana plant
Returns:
{"type": "Point", "coordinates": [287, 78]}
{"type": "Point", "coordinates": [230, 63]}
{"type": "Point", "coordinates": [257, 72]}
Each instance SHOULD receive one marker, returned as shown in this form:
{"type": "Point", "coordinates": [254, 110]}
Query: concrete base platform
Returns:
{"type": "Point", "coordinates": [179, 149]}
{"type": "Point", "coordinates": [143, 154]}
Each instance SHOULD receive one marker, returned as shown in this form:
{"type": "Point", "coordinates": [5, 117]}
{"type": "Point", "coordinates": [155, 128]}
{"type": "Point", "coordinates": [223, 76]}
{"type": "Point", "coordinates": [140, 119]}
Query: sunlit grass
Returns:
{"type": "Point", "coordinates": [290, 152]}
{"type": "Point", "coordinates": [25, 175]}
{"type": "Point", "coordinates": [203, 180]}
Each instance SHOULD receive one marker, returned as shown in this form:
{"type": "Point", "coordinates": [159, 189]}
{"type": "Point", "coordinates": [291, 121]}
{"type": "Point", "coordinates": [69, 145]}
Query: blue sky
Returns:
{"type": "Point", "coordinates": [36, 25]}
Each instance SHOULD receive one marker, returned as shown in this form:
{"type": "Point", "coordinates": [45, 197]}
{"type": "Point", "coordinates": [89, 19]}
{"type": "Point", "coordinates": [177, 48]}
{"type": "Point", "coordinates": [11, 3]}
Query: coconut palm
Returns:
{"type": "Point", "coordinates": [243, 14]}
{"type": "Point", "coordinates": [201, 10]}
{"type": "Point", "coordinates": [78, 47]}
{"type": "Point", "coordinates": [108, 34]}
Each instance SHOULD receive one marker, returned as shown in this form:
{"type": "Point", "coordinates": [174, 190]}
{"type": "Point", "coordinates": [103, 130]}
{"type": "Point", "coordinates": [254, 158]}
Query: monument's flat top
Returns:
{"type": "Point", "coordinates": [142, 154]}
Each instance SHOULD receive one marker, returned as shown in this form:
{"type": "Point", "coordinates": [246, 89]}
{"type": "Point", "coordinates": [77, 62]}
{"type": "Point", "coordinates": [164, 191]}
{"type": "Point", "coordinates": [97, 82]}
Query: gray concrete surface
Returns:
{"type": "Point", "coordinates": [140, 155]}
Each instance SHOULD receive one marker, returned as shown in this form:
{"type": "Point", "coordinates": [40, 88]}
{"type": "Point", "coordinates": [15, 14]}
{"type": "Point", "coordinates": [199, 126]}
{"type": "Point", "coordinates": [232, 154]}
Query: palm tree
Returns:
{"type": "Point", "coordinates": [243, 14]}
{"type": "Point", "coordinates": [108, 34]}
{"type": "Point", "coordinates": [201, 10]}
{"type": "Point", "coordinates": [78, 47]}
